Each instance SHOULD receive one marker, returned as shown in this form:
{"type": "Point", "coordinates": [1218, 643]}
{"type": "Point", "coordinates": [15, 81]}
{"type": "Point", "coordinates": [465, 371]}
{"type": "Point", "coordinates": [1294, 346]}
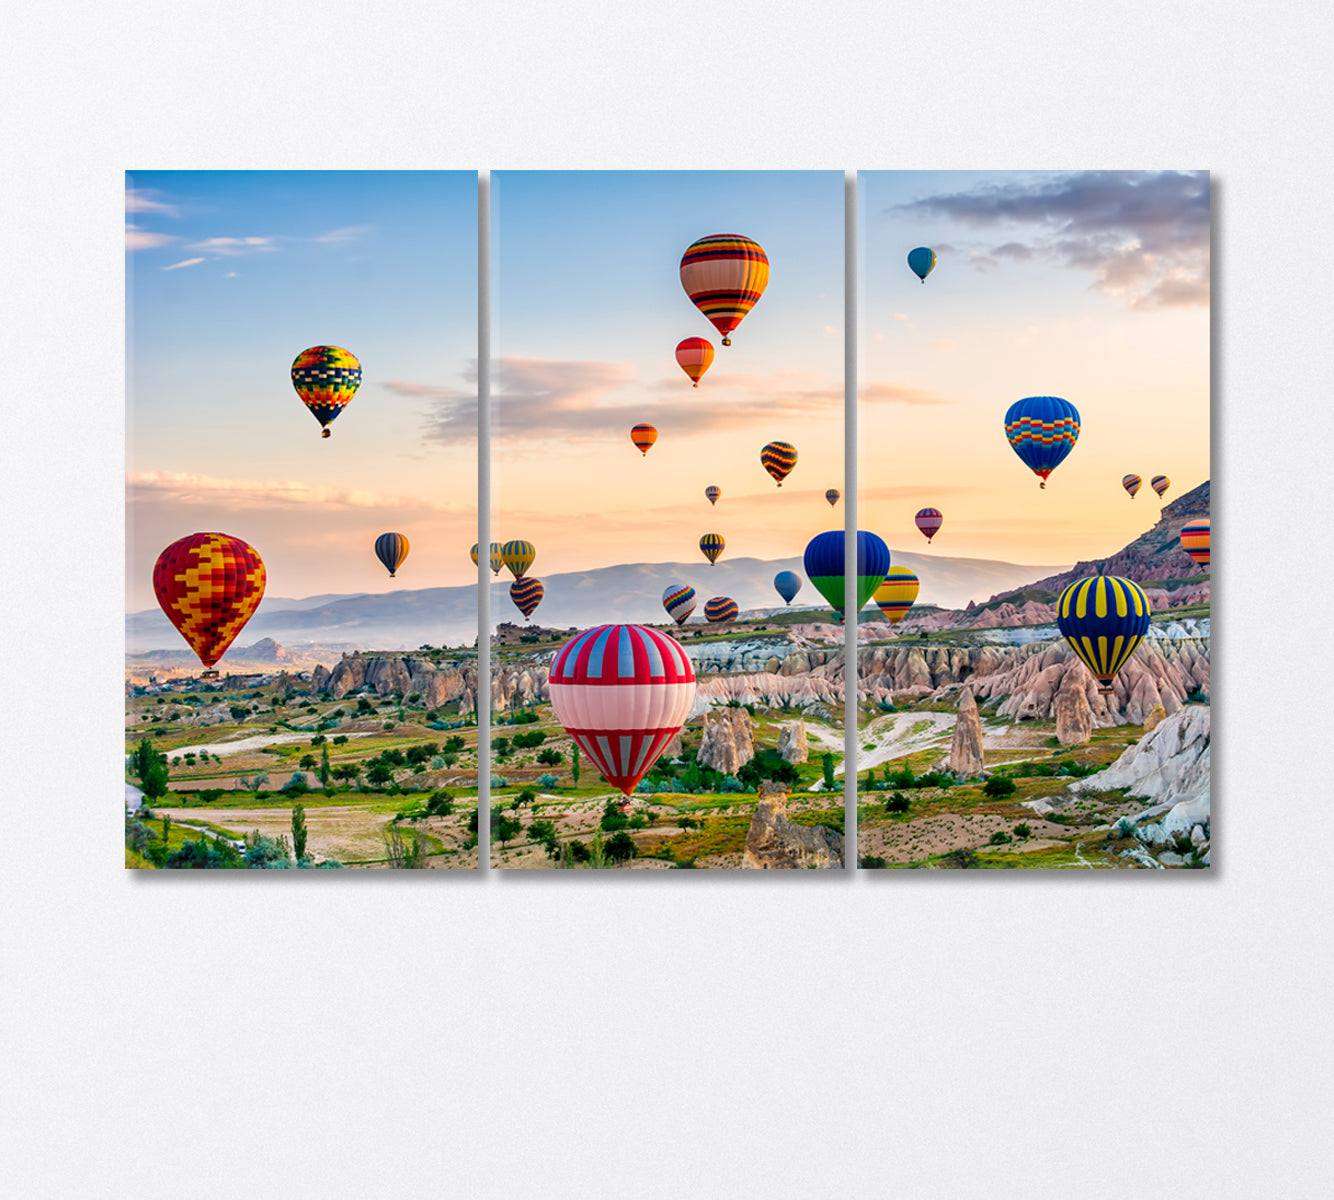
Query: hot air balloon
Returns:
{"type": "Point", "coordinates": [712, 545]}
{"type": "Point", "coordinates": [622, 692]}
{"type": "Point", "coordinates": [643, 436]}
{"type": "Point", "coordinates": [720, 609]}
{"type": "Point", "coordinates": [788, 584]}
{"type": "Point", "coordinates": [1195, 541]}
{"type": "Point", "coordinates": [391, 549]}
{"type": "Point", "coordinates": [497, 559]}
{"type": "Point", "coordinates": [778, 458]}
{"type": "Point", "coordinates": [832, 496]}
{"type": "Point", "coordinates": [527, 594]}
{"type": "Point", "coordinates": [209, 585]}
{"type": "Point", "coordinates": [713, 491]}
{"type": "Point", "coordinates": [326, 378]}
{"type": "Point", "coordinates": [1103, 618]}
{"type": "Point", "coordinates": [922, 260]}
{"type": "Point", "coordinates": [1042, 430]}
{"type": "Point", "coordinates": [679, 601]}
{"type": "Point", "coordinates": [1160, 483]}
{"type": "Point", "coordinates": [518, 556]}
{"type": "Point", "coordinates": [693, 356]}
{"type": "Point", "coordinates": [895, 596]}
{"type": "Point", "coordinates": [724, 275]}
{"type": "Point", "coordinates": [824, 566]}
{"type": "Point", "coordinates": [472, 554]}
{"type": "Point", "coordinates": [929, 522]}
{"type": "Point", "coordinates": [1132, 484]}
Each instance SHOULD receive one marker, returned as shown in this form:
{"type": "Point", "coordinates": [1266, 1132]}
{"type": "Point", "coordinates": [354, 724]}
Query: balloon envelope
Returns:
{"type": "Point", "coordinates": [832, 496]}
{"type": "Point", "coordinates": [713, 492]}
{"type": "Point", "coordinates": [897, 594]}
{"type": "Point", "coordinates": [679, 601]}
{"type": "Point", "coordinates": [1195, 541]}
{"type": "Point", "coordinates": [518, 556]}
{"type": "Point", "coordinates": [622, 692]}
{"type": "Point", "coordinates": [1132, 484]}
{"type": "Point", "coordinates": [496, 558]}
{"type": "Point", "coordinates": [778, 459]}
{"type": "Point", "coordinates": [922, 260]}
{"type": "Point", "coordinates": [326, 378]}
{"type": "Point", "coordinates": [719, 609]}
{"type": "Point", "coordinates": [788, 584]}
{"type": "Point", "coordinates": [643, 436]}
{"type": "Point", "coordinates": [724, 274]}
{"type": "Point", "coordinates": [1160, 483]}
{"type": "Point", "coordinates": [391, 549]}
{"type": "Point", "coordinates": [712, 546]}
{"type": "Point", "coordinates": [209, 585]}
{"type": "Point", "coordinates": [694, 355]}
{"type": "Point", "coordinates": [527, 594]}
{"type": "Point", "coordinates": [1042, 430]}
{"type": "Point", "coordinates": [929, 521]}
{"type": "Point", "coordinates": [1103, 618]}
{"type": "Point", "coordinates": [824, 566]}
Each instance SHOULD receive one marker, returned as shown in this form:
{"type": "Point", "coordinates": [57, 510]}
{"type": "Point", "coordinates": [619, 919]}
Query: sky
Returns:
{"type": "Point", "coordinates": [229, 276]}
{"type": "Point", "coordinates": [588, 310]}
{"type": "Point", "coordinates": [1088, 285]}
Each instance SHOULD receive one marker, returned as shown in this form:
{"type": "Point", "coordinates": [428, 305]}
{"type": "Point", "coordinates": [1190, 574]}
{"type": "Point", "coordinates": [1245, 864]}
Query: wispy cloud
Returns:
{"type": "Point", "coordinates": [141, 200]}
{"type": "Point", "coordinates": [143, 239]}
{"type": "Point", "coordinates": [1143, 235]}
{"type": "Point", "coordinates": [347, 233]}
{"type": "Point", "coordinates": [895, 393]}
{"type": "Point", "coordinates": [185, 262]}
{"type": "Point", "coordinates": [230, 246]}
{"type": "Point", "coordinates": [185, 488]}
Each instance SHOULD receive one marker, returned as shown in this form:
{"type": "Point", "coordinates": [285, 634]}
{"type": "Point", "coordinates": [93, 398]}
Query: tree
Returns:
{"type": "Point", "coordinates": [502, 827]}
{"type": "Point", "coordinates": [544, 834]}
{"type": "Point", "coordinates": [827, 765]}
{"type": "Point", "coordinates": [299, 830]}
{"type": "Point", "coordinates": [150, 766]}
{"type": "Point", "coordinates": [621, 847]}
{"type": "Point", "coordinates": [574, 763]}
{"type": "Point", "coordinates": [550, 757]}
{"type": "Point", "coordinates": [897, 803]}
{"type": "Point", "coordinates": [324, 768]}
{"type": "Point", "coordinates": [379, 774]}
{"type": "Point", "coordinates": [998, 786]}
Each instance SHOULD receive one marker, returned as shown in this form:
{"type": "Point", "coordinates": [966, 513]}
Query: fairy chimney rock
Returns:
{"type": "Point", "coordinates": [966, 749]}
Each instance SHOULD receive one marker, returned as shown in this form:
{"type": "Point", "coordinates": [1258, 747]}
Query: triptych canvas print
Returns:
{"type": "Point", "coordinates": [664, 674]}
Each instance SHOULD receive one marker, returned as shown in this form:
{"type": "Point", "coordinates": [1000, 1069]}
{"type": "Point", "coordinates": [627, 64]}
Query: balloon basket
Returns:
{"type": "Point", "coordinates": [727, 341]}
{"type": "Point", "coordinates": [325, 432]}
{"type": "Point", "coordinates": [209, 674]}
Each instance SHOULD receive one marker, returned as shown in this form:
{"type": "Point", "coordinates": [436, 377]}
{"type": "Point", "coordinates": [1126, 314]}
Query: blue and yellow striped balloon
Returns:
{"type": "Point", "coordinates": [391, 549]}
{"type": "Point", "coordinates": [1104, 618]}
{"type": "Point", "coordinates": [711, 544]}
{"type": "Point", "coordinates": [518, 556]}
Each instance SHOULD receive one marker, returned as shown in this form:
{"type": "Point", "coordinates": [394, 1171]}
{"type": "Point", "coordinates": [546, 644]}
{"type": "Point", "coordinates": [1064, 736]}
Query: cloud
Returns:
{"type": "Point", "coordinates": [982, 262]}
{"type": "Point", "coordinates": [184, 488]}
{"type": "Point", "coordinates": [141, 200]}
{"type": "Point", "coordinates": [337, 237]}
{"type": "Point", "coordinates": [900, 316]}
{"type": "Point", "coordinates": [185, 262]}
{"type": "Point", "coordinates": [232, 246]}
{"type": "Point", "coordinates": [230, 275]}
{"type": "Point", "coordinates": [894, 393]}
{"type": "Point", "coordinates": [142, 239]}
{"type": "Point", "coordinates": [1143, 235]}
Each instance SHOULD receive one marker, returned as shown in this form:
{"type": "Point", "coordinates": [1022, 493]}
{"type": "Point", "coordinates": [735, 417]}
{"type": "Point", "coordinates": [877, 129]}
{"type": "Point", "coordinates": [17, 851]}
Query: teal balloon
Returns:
{"type": "Point", "coordinates": [922, 260]}
{"type": "Point", "coordinates": [788, 584]}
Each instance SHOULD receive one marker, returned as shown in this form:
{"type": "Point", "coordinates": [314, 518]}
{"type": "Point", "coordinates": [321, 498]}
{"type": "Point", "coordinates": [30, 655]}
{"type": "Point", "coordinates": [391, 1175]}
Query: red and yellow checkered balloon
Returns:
{"type": "Point", "coordinates": [209, 585]}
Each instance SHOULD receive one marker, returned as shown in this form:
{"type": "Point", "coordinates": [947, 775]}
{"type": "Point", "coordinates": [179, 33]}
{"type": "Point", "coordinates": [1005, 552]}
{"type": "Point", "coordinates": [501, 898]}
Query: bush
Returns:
{"type": "Point", "coordinates": [871, 862]}
{"type": "Point", "coordinates": [998, 786]}
{"type": "Point", "coordinates": [550, 757]}
{"type": "Point", "coordinates": [529, 741]}
{"type": "Point", "coordinates": [1022, 831]}
{"type": "Point", "coordinates": [548, 780]}
{"type": "Point", "coordinates": [613, 818]}
{"type": "Point", "coordinates": [499, 781]}
{"type": "Point", "coordinates": [730, 783]}
{"type": "Point", "coordinates": [1000, 838]}
{"type": "Point", "coordinates": [439, 803]}
{"type": "Point", "coordinates": [897, 803]}
{"type": "Point", "coordinates": [767, 764]}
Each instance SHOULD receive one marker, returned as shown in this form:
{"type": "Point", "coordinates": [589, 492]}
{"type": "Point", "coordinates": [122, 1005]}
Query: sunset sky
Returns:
{"type": "Point", "coordinates": [588, 310]}
{"type": "Point", "coordinates": [229, 276]}
{"type": "Point", "coordinates": [1092, 286]}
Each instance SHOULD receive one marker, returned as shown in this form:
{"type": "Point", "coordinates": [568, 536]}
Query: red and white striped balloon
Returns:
{"type": "Point", "coordinates": [622, 692]}
{"type": "Point", "coordinates": [929, 522]}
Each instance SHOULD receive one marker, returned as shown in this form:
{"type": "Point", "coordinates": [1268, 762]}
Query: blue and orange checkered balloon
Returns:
{"type": "Point", "coordinates": [326, 378]}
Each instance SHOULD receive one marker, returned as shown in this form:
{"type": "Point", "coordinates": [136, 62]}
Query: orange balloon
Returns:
{"type": "Point", "coordinates": [209, 585]}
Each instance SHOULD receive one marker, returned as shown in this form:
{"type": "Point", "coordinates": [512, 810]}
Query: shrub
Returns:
{"type": "Point", "coordinates": [613, 818]}
{"type": "Point", "coordinates": [998, 786]}
{"type": "Point", "coordinates": [548, 780]}
{"type": "Point", "coordinates": [1000, 838]}
{"type": "Point", "coordinates": [499, 781]}
{"type": "Point", "coordinates": [439, 803]}
{"type": "Point", "coordinates": [550, 757]}
{"type": "Point", "coordinates": [871, 862]}
{"type": "Point", "coordinates": [1022, 831]}
{"type": "Point", "coordinates": [731, 783]}
{"type": "Point", "coordinates": [897, 803]}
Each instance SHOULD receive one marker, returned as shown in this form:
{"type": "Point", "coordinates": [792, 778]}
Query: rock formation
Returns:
{"type": "Point", "coordinates": [1074, 717]}
{"type": "Point", "coordinates": [792, 746]}
{"type": "Point", "coordinates": [1157, 714]}
{"type": "Point", "coordinates": [966, 749]}
{"type": "Point", "coordinates": [437, 683]}
{"type": "Point", "coordinates": [774, 843]}
{"type": "Point", "coordinates": [729, 740]}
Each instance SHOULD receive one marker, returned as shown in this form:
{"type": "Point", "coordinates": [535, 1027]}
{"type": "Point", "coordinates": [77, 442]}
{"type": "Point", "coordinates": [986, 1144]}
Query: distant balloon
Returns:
{"type": "Point", "coordinates": [527, 594]}
{"type": "Point", "coordinates": [694, 356]}
{"type": "Point", "coordinates": [622, 692]}
{"type": "Point", "coordinates": [1160, 483]}
{"type": "Point", "coordinates": [497, 559]}
{"type": "Point", "coordinates": [724, 275]}
{"type": "Point", "coordinates": [929, 522]}
{"type": "Point", "coordinates": [788, 584]}
{"type": "Point", "coordinates": [832, 496]}
{"type": "Point", "coordinates": [209, 585]}
{"type": "Point", "coordinates": [720, 609]}
{"type": "Point", "coordinates": [679, 601]}
{"type": "Point", "coordinates": [518, 556]}
{"type": "Point", "coordinates": [391, 549]}
{"type": "Point", "coordinates": [824, 566]}
{"type": "Point", "coordinates": [643, 436]}
{"type": "Point", "coordinates": [1103, 618]}
{"type": "Point", "coordinates": [896, 595]}
{"type": "Point", "coordinates": [713, 491]}
{"type": "Point", "coordinates": [778, 458]}
{"type": "Point", "coordinates": [712, 545]}
{"type": "Point", "coordinates": [1195, 541]}
{"type": "Point", "coordinates": [922, 261]}
{"type": "Point", "coordinates": [326, 378]}
{"type": "Point", "coordinates": [1042, 430]}
{"type": "Point", "coordinates": [1132, 484]}
{"type": "Point", "coordinates": [472, 554]}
